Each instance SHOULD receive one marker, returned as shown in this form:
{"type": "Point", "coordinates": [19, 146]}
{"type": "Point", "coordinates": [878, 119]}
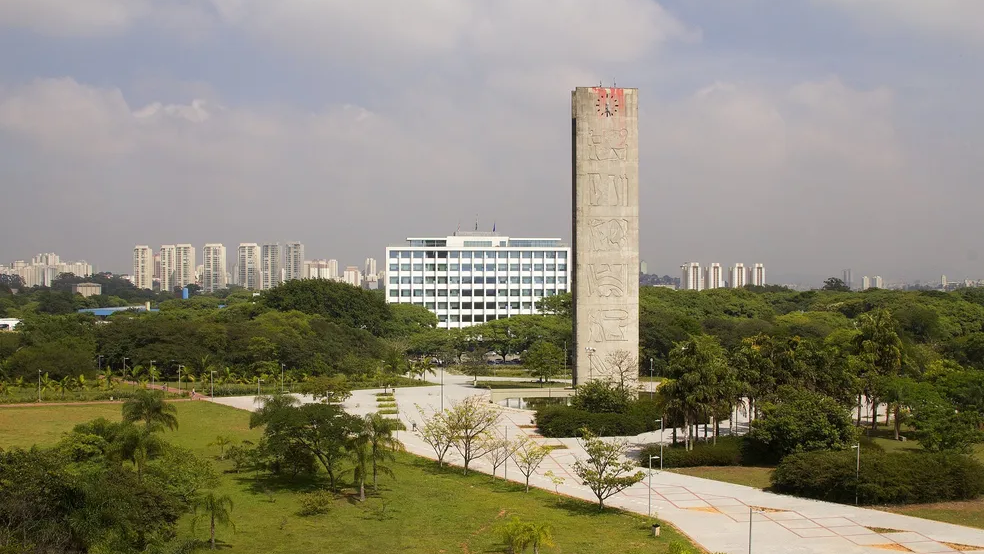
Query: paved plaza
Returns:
{"type": "Point", "coordinates": [712, 513]}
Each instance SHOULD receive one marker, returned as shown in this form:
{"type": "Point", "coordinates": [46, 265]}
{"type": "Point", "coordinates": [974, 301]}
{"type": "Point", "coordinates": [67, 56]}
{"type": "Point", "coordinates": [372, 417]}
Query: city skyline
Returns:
{"type": "Point", "coordinates": [768, 119]}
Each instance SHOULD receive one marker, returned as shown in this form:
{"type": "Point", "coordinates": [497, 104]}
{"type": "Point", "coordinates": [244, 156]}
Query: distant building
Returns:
{"type": "Point", "coordinates": [370, 268]}
{"type": "Point", "coordinates": [878, 283]}
{"type": "Point", "coordinates": [185, 262]}
{"type": "Point", "coordinates": [714, 277]}
{"type": "Point", "coordinates": [167, 268]}
{"type": "Point", "coordinates": [294, 262]}
{"type": "Point", "coordinates": [943, 282]}
{"type": "Point", "coordinates": [248, 255]}
{"type": "Point", "coordinates": [865, 283]}
{"type": "Point", "coordinates": [8, 323]}
{"type": "Point", "coordinates": [643, 268]}
{"type": "Point", "coordinates": [43, 269]}
{"type": "Point", "coordinates": [737, 277]}
{"type": "Point", "coordinates": [352, 276]}
{"type": "Point", "coordinates": [756, 275]}
{"type": "Point", "coordinates": [143, 267]}
{"type": "Point", "coordinates": [157, 266]}
{"type": "Point", "coordinates": [848, 278]}
{"type": "Point", "coordinates": [214, 267]}
{"type": "Point", "coordinates": [271, 261]}
{"type": "Point", "coordinates": [475, 277]}
{"type": "Point", "coordinates": [87, 289]}
{"type": "Point", "coordinates": [691, 277]}
{"type": "Point", "coordinates": [320, 269]}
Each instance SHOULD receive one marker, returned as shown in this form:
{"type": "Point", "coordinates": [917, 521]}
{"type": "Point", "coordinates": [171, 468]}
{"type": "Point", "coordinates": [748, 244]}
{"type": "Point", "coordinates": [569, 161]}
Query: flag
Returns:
{"type": "Point", "coordinates": [459, 228]}
{"type": "Point", "coordinates": [493, 226]}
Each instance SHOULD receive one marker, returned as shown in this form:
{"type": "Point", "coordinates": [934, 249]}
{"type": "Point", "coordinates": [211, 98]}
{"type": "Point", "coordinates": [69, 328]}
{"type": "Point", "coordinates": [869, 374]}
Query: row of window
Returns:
{"type": "Point", "coordinates": [477, 267]}
{"type": "Point", "coordinates": [393, 293]}
{"type": "Point", "coordinates": [467, 280]}
{"type": "Point", "coordinates": [478, 254]}
{"type": "Point", "coordinates": [476, 305]}
{"type": "Point", "coordinates": [467, 318]}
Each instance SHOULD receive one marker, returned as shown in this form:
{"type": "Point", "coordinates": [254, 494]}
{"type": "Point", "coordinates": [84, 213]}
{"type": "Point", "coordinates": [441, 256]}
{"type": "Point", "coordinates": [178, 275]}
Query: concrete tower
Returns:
{"type": "Point", "coordinates": [294, 262]}
{"type": "Point", "coordinates": [213, 267]}
{"type": "Point", "coordinates": [143, 267]}
{"type": "Point", "coordinates": [605, 141]}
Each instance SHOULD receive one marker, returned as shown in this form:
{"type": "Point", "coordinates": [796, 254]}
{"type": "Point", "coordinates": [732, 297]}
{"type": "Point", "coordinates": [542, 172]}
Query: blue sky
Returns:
{"type": "Point", "coordinates": [810, 135]}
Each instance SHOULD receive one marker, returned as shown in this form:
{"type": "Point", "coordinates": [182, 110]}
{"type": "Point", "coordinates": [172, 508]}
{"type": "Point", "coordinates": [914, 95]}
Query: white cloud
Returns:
{"type": "Point", "coordinates": [961, 20]}
{"type": "Point", "coordinates": [73, 18]}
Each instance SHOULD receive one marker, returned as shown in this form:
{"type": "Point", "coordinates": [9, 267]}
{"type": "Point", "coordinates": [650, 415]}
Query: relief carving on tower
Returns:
{"type": "Point", "coordinates": [607, 280]}
{"type": "Point", "coordinates": [609, 234]}
{"type": "Point", "coordinates": [607, 325]}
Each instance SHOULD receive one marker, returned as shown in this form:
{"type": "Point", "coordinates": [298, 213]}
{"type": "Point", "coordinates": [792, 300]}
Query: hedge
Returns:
{"type": "Point", "coordinates": [565, 421]}
{"type": "Point", "coordinates": [885, 478]}
{"type": "Point", "coordinates": [727, 452]}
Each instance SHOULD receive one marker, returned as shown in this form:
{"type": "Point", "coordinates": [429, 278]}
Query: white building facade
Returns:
{"type": "Point", "coordinates": [472, 278]}
{"type": "Point", "coordinates": [737, 276]}
{"type": "Point", "coordinates": [214, 267]}
{"type": "Point", "coordinates": [271, 262]}
{"type": "Point", "coordinates": [714, 277]}
{"type": "Point", "coordinates": [185, 263]}
{"type": "Point", "coordinates": [248, 255]}
{"type": "Point", "coordinates": [167, 267]}
{"type": "Point", "coordinates": [756, 275]}
{"type": "Point", "coordinates": [294, 261]}
{"type": "Point", "coordinates": [691, 277]}
{"type": "Point", "coordinates": [143, 267]}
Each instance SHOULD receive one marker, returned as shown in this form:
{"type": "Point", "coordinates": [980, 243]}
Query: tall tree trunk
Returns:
{"type": "Point", "coordinates": [362, 490]}
{"type": "Point", "coordinates": [212, 531]}
{"type": "Point", "coordinates": [874, 413]}
{"type": "Point", "coordinates": [717, 429]}
{"type": "Point", "coordinates": [859, 409]}
{"type": "Point", "coordinates": [897, 423]}
{"type": "Point", "coordinates": [674, 436]}
{"type": "Point", "coordinates": [888, 408]}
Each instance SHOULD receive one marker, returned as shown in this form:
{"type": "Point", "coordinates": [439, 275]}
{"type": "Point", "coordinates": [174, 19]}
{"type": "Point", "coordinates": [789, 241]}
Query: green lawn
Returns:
{"type": "Point", "coordinates": [969, 513]}
{"type": "Point", "coordinates": [757, 477]}
{"type": "Point", "coordinates": [422, 510]}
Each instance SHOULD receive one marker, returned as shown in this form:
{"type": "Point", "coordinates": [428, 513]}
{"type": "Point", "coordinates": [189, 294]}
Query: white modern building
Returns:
{"type": "Point", "coordinates": [691, 277]}
{"type": "Point", "coordinates": [865, 282]}
{"type": "Point", "coordinates": [352, 276]}
{"type": "Point", "coordinates": [271, 262]}
{"type": "Point", "coordinates": [370, 268]}
{"type": "Point", "coordinates": [737, 276]}
{"type": "Point", "coordinates": [294, 262]}
{"type": "Point", "coordinates": [878, 283]}
{"type": "Point", "coordinates": [714, 276]}
{"type": "Point", "coordinates": [185, 263]}
{"type": "Point", "coordinates": [44, 269]}
{"type": "Point", "coordinates": [756, 275]}
{"type": "Point", "coordinates": [320, 269]}
{"type": "Point", "coordinates": [167, 267]}
{"type": "Point", "coordinates": [143, 267]}
{"type": "Point", "coordinates": [248, 256]}
{"type": "Point", "coordinates": [475, 277]}
{"type": "Point", "coordinates": [214, 267]}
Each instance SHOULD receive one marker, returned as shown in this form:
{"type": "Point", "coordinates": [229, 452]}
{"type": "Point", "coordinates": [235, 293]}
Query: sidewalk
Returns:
{"type": "Point", "coordinates": [714, 514]}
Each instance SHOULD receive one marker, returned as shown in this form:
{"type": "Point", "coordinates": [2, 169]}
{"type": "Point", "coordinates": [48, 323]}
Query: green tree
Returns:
{"type": "Point", "coordinates": [700, 381]}
{"type": "Point", "coordinates": [801, 422]}
{"type": "Point", "coordinates": [544, 360]}
{"type": "Point", "coordinates": [150, 408]}
{"type": "Point", "coordinates": [217, 508]}
{"type": "Point", "coordinates": [834, 284]}
{"type": "Point", "coordinates": [470, 422]}
{"type": "Point", "coordinates": [880, 350]}
{"type": "Point", "coordinates": [222, 441]}
{"type": "Point", "coordinates": [528, 456]}
{"type": "Point", "coordinates": [605, 471]}
{"type": "Point", "coordinates": [378, 431]}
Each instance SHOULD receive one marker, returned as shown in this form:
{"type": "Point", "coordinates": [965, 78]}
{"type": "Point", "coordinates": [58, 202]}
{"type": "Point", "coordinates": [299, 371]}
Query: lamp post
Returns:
{"type": "Point", "coordinates": [857, 472]}
{"type": "Point", "coordinates": [590, 352]}
{"type": "Point", "coordinates": [180, 370]}
{"type": "Point", "coordinates": [651, 387]}
{"type": "Point", "coordinates": [258, 381]}
{"type": "Point", "coordinates": [124, 368]}
{"type": "Point", "coordinates": [152, 362]}
{"type": "Point", "coordinates": [660, 420]}
{"type": "Point", "coordinates": [211, 378]}
{"type": "Point", "coordinates": [649, 513]}
{"type": "Point", "coordinates": [505, 463]}
{"type": "Point", "coordinates": [442, 388]}
{"type": "Point", "coordinates": [39, 386]}
{"type": "Point", "coordinates": [565, 358]}
{"type": "Point", "coordinates": [282, 366]}
{"type": "Point", "coordinates": [750, 512]}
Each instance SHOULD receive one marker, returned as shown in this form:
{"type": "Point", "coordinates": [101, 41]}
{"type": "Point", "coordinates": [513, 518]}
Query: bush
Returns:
{"type": "Point", "coordinates": [727, 452]}
{"type": "Point", "coordinates": [885, 478]}
{"type": "Point", "coordinates": [801, 422]}
{"type": "Point", "coordinates": [567, 421]}
{"type": "Point", "coordinates": [388, 411]}
{"type": "Point", "coordinates": [317, 502]}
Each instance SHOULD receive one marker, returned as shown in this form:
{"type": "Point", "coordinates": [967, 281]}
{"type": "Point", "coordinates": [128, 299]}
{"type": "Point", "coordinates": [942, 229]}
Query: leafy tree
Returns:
{"type": "Point", "coordinates": [217, 508]}
{"type": "Point", "coordinates": [600, 396]}
{"type": "Point", "coordinates": [470, 422]}
{"type": "Point", "coordinates": [437, 433]}
{"type": "Point", "coordinates": [528, 456]}
{"type": "Point", "coordinates": [150, 408]}
{"type": "Point", "coordinates": [497, 449]}
{"type": "Point", "coordinates": [377, 431]}
{"type": "Point", "coordinates": [605, 471]}
{"type": "Point", "coordinates": [333, 389]}
{"type": "Point", "coordinates": [880, 349]}
{"type": "Point", "coordinates": [802, 421]}
{"type": "Point", "coordinates": [700, 382]}
{"type": "Point", "coordinates": [358, 451]}
{"type": "Point", "coordinates": [834, 284]}
{"type": "Point", "coordinates": [222, 441]}
{"type": "Point", "coordinates": [543, 359]}
{"type": "Point", "coordinates": [339, 302]}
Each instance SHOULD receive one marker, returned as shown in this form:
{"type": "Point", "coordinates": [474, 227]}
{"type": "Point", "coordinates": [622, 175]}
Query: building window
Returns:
{"type": "Point", "coordinates": [514, 279]}
{"type": "Point", "coordinates": [503, 305]}
{"type": "Point", "coordinates": [489, 267]}
{"type": "Point", "coordinates": [394, 293]}
{"type": "Point", "coordinates": [430, 306]}
{"type": "Point", "coordinates": [551, 267]}
{"type": "Point", "coordinates": [503, 280]}
{"type": "Point", "coordinates": [514, 305]}
{"type": "Point", "coordinates": [503, 292]}
{"type": "Point", "coordinates": [537, 267]}
{"type": "Point", "coordinates": [417, 254]}
{"type": "Point", "coordinates": [405, 292]}
{"type": "Point", "coordinates": [418, 280]}
{"type": "Point", "coordinates": [405, 254]}
{"type": "Point", "coordinates": [442, 280]}
{"type": "Point", "coordinates": [514, 254]}
{"type": "Point", "coordinates": [526, 267]}
{"type": "Point", "coordinates": [538, 280]}
{"type": "Point", "coordinates": [527, 305]}
{"type": "Point", "coordinates": [466, 318]}
{"type": "Point", "coordinates": [538, 254]}
{"type": "Point", "coordinates": [442, 318]}
{"type": "Point", "coordinates": [489, 292]}
{"type": "Point", "coordinates": [527, 255]}
{"type": "Point", "coordinates": [503, 267]}
{"type": "Point", "coordinates": [466, 305]}
{"type": "Point", "coordinates": [418, 292]}
{"type": "Point", "coordinates": [442, 292]}
{"type": "Point", "coordinates": [453, 292]}
{"type": "Point", "coordinates": [561, 290]}
{"type": "Point", "coordinates": [430, 280]}
{"type": "Point", "coordinates": [455, 318]}
{"type": "Point", "coordinates": [562, 254]}
{"type": "Point", "coordinates": [454, 254]}
{"type": "Point", "coordinates": [442, 305]}
{"type": "Point", "coordinates": [442, 267]}
{"type": "Point", "coordinates": [513, 292]}
{"type": "Point", "coordinates": [455, 306]}
{"type": "Point", "coordinates": [454, 267]}
{"type": "Point", "coordinates": [513, 267]}
{"type": "Point", "coordinates": [394, 267]}
{"type": "Point", "coordinates": [466, 280]}
{"type": "Point", "coordinates": [442, 255]}
{"type": "Point", "coordinates": [551, 280]}
{"type": "Point", "coordinates": [527, 292]}
{"type": "Point", "coordinates": [490, 305]}
{"type": "Point", "coordinates": [527, 280]}
{"type": "Point", "coordinates": [479, 292]}
{"type": "Point", "coordinates": [466, 255]}
{"type": "Point", "coordinates": [562, 280]}
{"type": "Point", "coordinates": [418, 267]}
{"type": "Point", "coordinates": [404, 267]}
{"type": "Point", "coordinates": [430, 267]}
{"type": "Point", "coordinates": [466, 292]}
{"type": "Point", "coordinates": [394, 280]}
{"type": "Point", "coordinates": [490, 280]}
{"type": "Point", "coordinates": [490, 254]}
{"type": "Point", "coordinates": [538, 292]}
{"type": "Point", "coordinates": [561, 267]}
{"type": "Point", "coordinates": [551, 292]}
{"type": "Point", "coordinates": [551, 255]}
{"type": "Point", "coordinates": [465, 267]}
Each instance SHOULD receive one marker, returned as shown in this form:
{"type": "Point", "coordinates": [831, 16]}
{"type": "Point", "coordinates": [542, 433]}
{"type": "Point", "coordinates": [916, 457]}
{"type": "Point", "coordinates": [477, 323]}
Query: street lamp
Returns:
{"type": "Point", "coordinates": [660, 420]}
{"type": "Point", "coordinates": [258, 381]}
{"type": "Point", "coordinates": [651, 387]}
{"type": "Point", "coordinates": [180, 371]}
{"type": "Point", "coordinates": [282, 366]}
{"type": "Point", "coordinates": [857, 472]}
{"type": "Point", "coordinates": [590, 352]}
{"type": "Point", "coordinates": [39, 386]}
{"type": "Point", "coordinates": [124, 368]}
{"type": "Point", "coordinates": [442, 388]}
{"type": "Point", "coordinates": [211, 378]}
{"type": "Point", "coordinates": [751, 511]}
{"type": "Point", "coordinates": [152, 362]}
{"type": "Point", "coordinates": [650, 512]}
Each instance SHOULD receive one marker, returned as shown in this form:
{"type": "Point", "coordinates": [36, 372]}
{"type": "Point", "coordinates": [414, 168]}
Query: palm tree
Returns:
{"type": "Point", "coordinates": [65, 384]}
{"type": "Point", "coordinates": [47, 383]}
{"type": "Point", "coordinates": [106, 380]}
{"type": "Point", "coordinates": [221, 441]}
{"type": "Point", "coordinates": [150, 408]}
{"type": "Point", "coordinates": [217, 508]}
{"type": "Point", "coordinates": [539, 534]}
{"type": "Point", "coordinates": [4, 388]}
{"type": "Point", "coordinates": [138, 446]}
{"type": "Point", "coordinates": [19, 383]}
{"type": "Point", "coordinates": [80, 383]}
{"type": "Point", "coordinates": [228, 376]}
{"type": "Point", "coordinates": [358, 450]}
{"type": "Point", "coordinates": [378, 433]}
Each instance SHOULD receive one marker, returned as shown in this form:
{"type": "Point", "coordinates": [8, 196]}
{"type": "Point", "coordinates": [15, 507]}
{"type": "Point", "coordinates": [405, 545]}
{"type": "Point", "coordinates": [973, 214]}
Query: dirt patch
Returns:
{"type": "Point", "coordinates": [892, 546]}
{"type": "Point", "coordinates": [962, 547]}
{"type": "Point", "coordinates": [767, 510]}
{"type": "Point", "coordinates": [884, 530]}
{"type": "Point", "coordinates": [707, 509]}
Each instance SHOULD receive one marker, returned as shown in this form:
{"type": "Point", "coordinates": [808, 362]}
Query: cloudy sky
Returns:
{"type": "Point", "coordinates": [811, 135]}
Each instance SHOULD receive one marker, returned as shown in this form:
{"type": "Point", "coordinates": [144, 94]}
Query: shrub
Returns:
{"type": "Point", "coordinates": [317, 502]}
{"type": "Point", "coordinates": [388, 411]}
{"type": "Point", "coordinates": [567, 421]}
{"type": "Point", "coordinates": [885, 478]}
{"type": "Point", "coordinates": [386, 404]}
{"type": "Point", "coordinates": [727, 452]}
{"type": "Point", "coordinates": [801, 422]}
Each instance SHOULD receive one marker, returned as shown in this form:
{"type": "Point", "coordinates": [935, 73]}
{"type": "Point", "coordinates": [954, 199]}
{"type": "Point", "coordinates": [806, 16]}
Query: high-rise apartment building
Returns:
{"type": "Point", "coordinates": [294, 262]}
{"type": "Point", "coordinates": [865, 283]}
{"type": "Point", "coordinates": [44, 269]}
{"type": "Point", "coordinates": [248, 255]}
{"type": "Point", "coordinates": [271, 261]}
{"type": "Point", "coordinates": [756, 275]}
{"type": "Point", "coordinates": [370, 268]}
{"type": "Point", "coordinates": [213, 267]}
{"type": "Point", "coordinates": [333, 269]}
{"type": "Point", "coordinates": [318, 269]}
{"type": "Point", "coordinates": [848, 278]}
{"type": "Point", "coordinates": [737, 276]}
{"type": "Point", "coordinates": [185, 262]}
{"type": "Point", "coordinates": [476, 277]}
{"type": "Point", "coordinates": [352, 276]}
{"type": "Point", "coordinates": [878, 283]}
{"type": "Point", "coordinates": [143, 267]}
{"type": "Point", "coordinates": [157, 266]}
{"type": "Point", "coordinates": [691, 277]}
{"type": "Point", "coordinates": [168, 267]}
{"type": "Point", "coordinates": [714, 277]}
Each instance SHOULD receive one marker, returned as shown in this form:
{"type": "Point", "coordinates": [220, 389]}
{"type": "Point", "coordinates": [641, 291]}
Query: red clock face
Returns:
{"type": "Point", "coordinates": [607, 103]}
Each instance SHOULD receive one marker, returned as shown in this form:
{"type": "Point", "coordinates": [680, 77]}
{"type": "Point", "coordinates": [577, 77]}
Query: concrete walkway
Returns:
{"type": "Point", "coordinates": [714, 514]}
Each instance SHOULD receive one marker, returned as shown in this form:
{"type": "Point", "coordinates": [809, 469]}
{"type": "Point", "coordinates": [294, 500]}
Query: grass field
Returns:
{"type": "Point", "coordinates": [423, 509]}
{"type": "Point", "coordinates": [757, 477]}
